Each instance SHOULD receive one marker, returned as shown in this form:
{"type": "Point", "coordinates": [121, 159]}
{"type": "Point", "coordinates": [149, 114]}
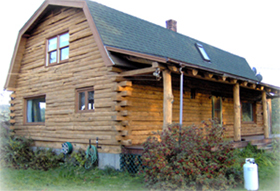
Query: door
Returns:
{"type": "Point", "coordinates": [217, 109]}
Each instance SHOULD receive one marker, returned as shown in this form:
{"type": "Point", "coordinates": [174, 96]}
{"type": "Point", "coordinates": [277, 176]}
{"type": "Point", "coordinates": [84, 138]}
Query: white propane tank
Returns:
{"type": "Point", "coordinates": [251, 180]}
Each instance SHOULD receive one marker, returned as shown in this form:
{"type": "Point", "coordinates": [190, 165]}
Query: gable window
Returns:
{"type": "Point", "coordinates": [35, 109]}
{"type": "Point", "coordinates": [85, 99]}
{"type": "Point", "coordinates": [58, 49]}
{"type": "Point", "coordinates": [247, 112]}
{"type": "Point", "coordinates": [217, 109]}
{"type": "Point", "coordinates": [203, 52]}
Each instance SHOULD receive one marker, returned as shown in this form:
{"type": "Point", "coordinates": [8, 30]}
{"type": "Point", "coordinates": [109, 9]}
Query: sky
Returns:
{"type": "Point", "coordinates": [247, 28]}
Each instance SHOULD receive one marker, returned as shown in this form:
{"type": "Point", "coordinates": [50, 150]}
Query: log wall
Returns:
{"type": "Point", "coordinates": [247, 128]}
{"type": "Point", "coordinates": [84, 68]}
{"type": "Point", "coordinates": [145, 113]}
{"type": "Point", "coordinates": [125, 113]}
{"type": "Point", "coordinates": [146, 110]}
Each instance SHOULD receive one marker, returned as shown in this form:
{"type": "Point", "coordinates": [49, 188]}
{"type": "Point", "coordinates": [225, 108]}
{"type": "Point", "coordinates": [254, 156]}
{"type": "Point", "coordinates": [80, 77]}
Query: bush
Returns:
{"type": "Point", "coordinates": [16, 152]}
{"type": "Point", "coordinates": [45, 159]}
{"type": "Point", "coordinates": [275, 104]}
{"type": "Point", "coordinates": [76, 159]}
{"type": "Point", "coordinates": [196, 158]}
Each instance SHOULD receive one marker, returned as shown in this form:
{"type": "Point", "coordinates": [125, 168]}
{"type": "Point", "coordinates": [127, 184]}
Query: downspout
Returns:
{"type": "Point", "coordinates": [181, 101]}
{"type": "Point", "coordinates": [181, 96]}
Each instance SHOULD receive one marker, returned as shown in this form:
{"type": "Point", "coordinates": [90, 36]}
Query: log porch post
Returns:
{"type": "Point", "coordinates": [167, 98]}
{"type": "Point", "coordinates": [237, 113]}
{"type": "Point", "coordinates": [265, 116]}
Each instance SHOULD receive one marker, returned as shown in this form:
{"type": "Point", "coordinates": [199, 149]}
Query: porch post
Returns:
{"type": "Point", "coordinates": [167, 98]}
{"type": "Point", "coordinates": [265, 116]}
{"type": "Point", "coordinates": [237, 113]}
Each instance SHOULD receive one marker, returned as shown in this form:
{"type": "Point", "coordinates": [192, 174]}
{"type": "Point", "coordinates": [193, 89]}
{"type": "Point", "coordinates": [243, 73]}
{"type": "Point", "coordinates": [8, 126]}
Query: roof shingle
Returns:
{"type": "Point", "coordinates": [118, 29]}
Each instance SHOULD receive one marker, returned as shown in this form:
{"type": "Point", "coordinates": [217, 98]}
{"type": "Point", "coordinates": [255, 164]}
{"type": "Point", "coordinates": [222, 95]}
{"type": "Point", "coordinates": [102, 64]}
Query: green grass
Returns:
{"type": "Point", "coordinates": [73, 179]}
{"type": "Point", "coordinates": [61, 179]}
{"type": "Point", "coordinates": [69, 178]}
{"type": "Point", "coordinates": [269, 178]}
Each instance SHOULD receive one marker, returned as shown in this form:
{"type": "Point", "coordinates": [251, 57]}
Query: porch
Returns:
{"type": "Point", "coordinates": [257, 140]}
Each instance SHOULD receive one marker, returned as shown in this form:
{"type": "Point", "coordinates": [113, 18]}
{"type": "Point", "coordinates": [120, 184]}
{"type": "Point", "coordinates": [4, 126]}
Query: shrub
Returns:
{"type": "Point", "coordinates": [16, 152]}
{"type": "Point", "coordinates": [45, 159]}
{"type": "Point", "coordinates": [76, 159]}
{"type": "Point", "coordinates": [195, 158]}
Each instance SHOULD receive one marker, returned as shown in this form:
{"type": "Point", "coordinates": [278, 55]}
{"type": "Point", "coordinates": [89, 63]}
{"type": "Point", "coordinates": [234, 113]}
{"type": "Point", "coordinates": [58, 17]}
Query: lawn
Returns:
{"type": "Point", "coordinates": [269, 178]}
{"type": "Point", "coordinates": [95, 179]}
{"type": "Point", "coordinates": [67, 177]}
{"type": "Point", "coordinates": [58, 179]}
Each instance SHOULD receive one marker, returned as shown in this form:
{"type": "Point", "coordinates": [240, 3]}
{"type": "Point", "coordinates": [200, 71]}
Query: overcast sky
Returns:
{"type": "Point", "coordinates": [248, 28]}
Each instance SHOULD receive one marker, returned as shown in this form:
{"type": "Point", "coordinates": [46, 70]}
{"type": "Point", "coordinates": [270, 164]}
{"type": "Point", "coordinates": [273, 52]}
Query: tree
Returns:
{"type": "Point", "coordinates": [275, 117]}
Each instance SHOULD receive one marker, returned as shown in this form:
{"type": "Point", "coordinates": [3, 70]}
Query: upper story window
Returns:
{"type": "Point", "coordinates": [58, 49]}
{"type": "Point", "coordinates": [85, 99]}
{"type": "Point", "coordinates": [203, 52]}
{"type": "Point", "coordinates": [35, 109]}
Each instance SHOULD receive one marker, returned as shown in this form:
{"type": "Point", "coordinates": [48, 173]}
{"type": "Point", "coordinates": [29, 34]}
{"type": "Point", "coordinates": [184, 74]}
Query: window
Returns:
{"type": "Point", "coordinates": [58, 49]}
{"type": "Point", "coordinates": [247, 112]}
{"type": "Point", "coordinates": [193, 93]}
{"type": "Point", "coordinates": [203, 52]}
{"type": "Point", "coordinates": [35, 109]}
{"type": "Point", "coordinates": [217, 109]}
{"type": "Point", "coordinates": [85, 99]}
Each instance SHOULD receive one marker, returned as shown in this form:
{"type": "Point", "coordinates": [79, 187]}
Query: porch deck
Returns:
{"type": "Point", "coordinates": [257, 140]}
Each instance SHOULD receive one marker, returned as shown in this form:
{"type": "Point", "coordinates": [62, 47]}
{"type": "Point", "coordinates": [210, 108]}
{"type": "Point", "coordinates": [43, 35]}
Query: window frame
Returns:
{"type": "Point", "coordinates": [25, 122]}
{"type": "Point", "coordinates": [253, 105]}
{"type": "Point", "coordinates": [58, 49]}
{"type": "Point", "coordinates": [203, 52]}
{"type": "Point", "coordinates": [86, 90]}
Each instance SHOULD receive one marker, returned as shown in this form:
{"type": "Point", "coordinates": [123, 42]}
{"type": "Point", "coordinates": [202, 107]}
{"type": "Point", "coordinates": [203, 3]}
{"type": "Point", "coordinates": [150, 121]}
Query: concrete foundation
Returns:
{"type": "Point", "coordinates": [109, 160]}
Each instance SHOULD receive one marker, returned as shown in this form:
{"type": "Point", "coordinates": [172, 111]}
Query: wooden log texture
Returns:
{"type": "Point", "coordinates": [167, 98]}
{"type": "Point", "coordinates": [85, 68]}
{"type": "Point", "coordinates": [137, 107]}
{"type": "Point", "coordinates": [145, 114]}
{"type": "Point", "coordinates": [237, 113]}
{"type": "Point", "coordinates": [265, 115]}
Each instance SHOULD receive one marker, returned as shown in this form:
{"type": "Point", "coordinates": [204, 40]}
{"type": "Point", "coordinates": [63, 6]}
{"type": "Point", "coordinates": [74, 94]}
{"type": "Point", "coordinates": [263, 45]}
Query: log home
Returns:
{"type": "Point", "coordinates": [81, 70]}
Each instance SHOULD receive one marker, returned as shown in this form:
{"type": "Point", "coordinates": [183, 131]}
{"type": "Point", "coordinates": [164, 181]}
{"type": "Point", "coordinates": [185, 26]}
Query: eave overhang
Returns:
{"type": "Point", "coordinates": [192, 70]}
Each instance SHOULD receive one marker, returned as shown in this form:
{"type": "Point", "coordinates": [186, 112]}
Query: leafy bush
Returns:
{"type": "Point", "coordinates": [45, 159]}
{"type": "Point", "coordinates": [196, 158]}
{"type": "Point", "coordinates": [16, 152]}
{"type": "Point", "coordinates": [275, 119]}
{"type": "Point", "coordinates": [76, 159]}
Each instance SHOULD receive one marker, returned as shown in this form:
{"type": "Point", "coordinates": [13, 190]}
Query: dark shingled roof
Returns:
{"type": "Point", "coordinates": [120, 30]}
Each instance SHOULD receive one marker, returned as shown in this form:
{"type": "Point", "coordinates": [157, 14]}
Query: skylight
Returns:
{"type": "Point", "coordinates": [203, 52]}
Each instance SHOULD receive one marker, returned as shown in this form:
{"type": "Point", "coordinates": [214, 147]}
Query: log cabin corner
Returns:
{"type": "Point", "coordinates": [81, 70]}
